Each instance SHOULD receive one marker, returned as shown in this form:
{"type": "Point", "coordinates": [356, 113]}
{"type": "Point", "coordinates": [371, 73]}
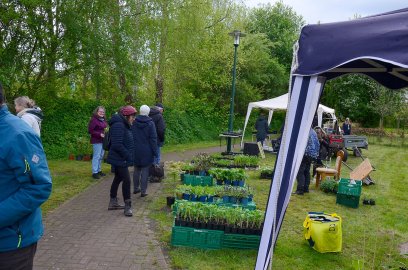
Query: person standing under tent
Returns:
{"type": "Point", "coordinates": [261, 126]}
{"type": "Point", "coordinates": [311, 154]}
{"type": "Point", "coordinates": [25, 184]}
{"type": "Point", "coordinates": [120, 156]}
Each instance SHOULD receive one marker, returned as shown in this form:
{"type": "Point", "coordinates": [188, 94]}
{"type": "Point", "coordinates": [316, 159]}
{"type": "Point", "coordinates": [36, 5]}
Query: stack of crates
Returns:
{"type": "Point", "coordinates": [349, 192]}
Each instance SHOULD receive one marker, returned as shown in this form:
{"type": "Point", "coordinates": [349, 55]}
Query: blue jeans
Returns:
{"type": "Point", "coordinates": [97, 157]}
{"type": "Point", "coordinates": [157, 159]}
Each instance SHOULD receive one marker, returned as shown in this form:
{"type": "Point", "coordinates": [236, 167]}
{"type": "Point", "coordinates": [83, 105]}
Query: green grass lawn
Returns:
{"type": "Point", "coordinates": [371, 234]}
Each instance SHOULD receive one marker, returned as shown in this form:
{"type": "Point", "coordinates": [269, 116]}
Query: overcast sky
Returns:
{"type": "Point", "coordinates": [326, 11]}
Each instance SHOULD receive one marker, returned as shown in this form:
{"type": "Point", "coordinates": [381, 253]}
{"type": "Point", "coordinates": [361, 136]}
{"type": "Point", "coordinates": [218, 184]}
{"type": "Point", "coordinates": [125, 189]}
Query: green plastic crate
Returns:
{"type": "Point", "coordinates": [348, 200]}
{"type": "Point", "coordinates": [241, 241]}
{"type": "Point", "coordinates": [348, 194]}
{"type": "Point", "coordinates": [200, 238]}
{"type": "Point", "coordinates": [345, 187]}
{"type": "Point", "coordinates": [197, 180]}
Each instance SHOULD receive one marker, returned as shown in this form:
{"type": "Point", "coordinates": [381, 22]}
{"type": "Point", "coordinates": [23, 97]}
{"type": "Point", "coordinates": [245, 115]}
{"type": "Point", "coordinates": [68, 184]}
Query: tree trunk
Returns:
{"type": "Point", "coordinates": [382, 122]}
{"type": "Point", "coordinates": [159, 79]}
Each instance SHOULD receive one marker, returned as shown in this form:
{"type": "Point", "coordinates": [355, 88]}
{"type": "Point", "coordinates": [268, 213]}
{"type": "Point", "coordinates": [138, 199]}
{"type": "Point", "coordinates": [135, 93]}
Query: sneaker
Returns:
{"type": "Point", "coordinates": [96, 176]}
{"type": "Point", "coordinates": [297, 192]}
{"type": "Point", "coordinates": [101, 174]}
{"type": "Point", "coordinates": [143, 195]}
{"type": "Point", "coordinates": [136, 191]}
{"type": "Point", "coordinates": [128, 208]}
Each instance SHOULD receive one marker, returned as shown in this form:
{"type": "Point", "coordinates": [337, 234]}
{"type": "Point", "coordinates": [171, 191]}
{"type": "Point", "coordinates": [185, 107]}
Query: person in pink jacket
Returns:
{"type": "Point", "coordinates": [96, 128]}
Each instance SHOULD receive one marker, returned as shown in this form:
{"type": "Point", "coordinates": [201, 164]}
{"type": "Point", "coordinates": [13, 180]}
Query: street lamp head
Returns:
{"type": "Point", "coordinates": [236, 34]}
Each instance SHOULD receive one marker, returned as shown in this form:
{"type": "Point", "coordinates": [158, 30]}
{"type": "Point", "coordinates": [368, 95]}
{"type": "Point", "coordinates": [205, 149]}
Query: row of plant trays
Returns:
{"type": "Point", "coordinates": [250, 205]}
{"type": "Point", "coordinates": [212, 239]}
{"type": "Point", "coordinates": [236, 166]}
{"type": "Point", "coordinates": [218, 227]}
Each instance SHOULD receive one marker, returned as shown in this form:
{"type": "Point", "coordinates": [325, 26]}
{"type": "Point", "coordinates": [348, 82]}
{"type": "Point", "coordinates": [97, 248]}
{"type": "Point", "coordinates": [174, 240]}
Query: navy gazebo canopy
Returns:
{"type": "Point", "coordinates": [376, 46]}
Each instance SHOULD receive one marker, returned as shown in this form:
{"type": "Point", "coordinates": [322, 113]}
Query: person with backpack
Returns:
{"type": "Point", "coordinates": [120, 156]}
{"type": "Point", "coordinates": [96, 128]}
{"type": "Point", "coordinates": [25, 184]}
{"type": "Point", "coordinates": [145, 142]}
{"type": "Point", "coordinates": [29, 112]}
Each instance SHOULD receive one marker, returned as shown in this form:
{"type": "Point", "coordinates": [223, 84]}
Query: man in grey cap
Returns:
{"type": "Point", "coordinates": [156, 113]}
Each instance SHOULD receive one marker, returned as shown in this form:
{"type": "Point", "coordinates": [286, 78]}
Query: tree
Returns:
{"type": "Point", "coordinates": [386, 102]}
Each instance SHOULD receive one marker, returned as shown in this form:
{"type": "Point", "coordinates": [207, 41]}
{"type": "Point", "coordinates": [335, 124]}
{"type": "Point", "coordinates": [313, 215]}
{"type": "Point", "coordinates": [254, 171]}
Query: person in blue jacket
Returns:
{"type": "Point", "coordinates": [25, 184]}
{"type": "Point", "coordinates": [120, 156]}
{"type": "Point", "coordinates": [145, 141]}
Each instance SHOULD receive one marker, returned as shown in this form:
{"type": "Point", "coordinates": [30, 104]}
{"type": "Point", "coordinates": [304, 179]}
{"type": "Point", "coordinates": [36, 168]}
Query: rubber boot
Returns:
{"type": "Point", "coordinates": [114, 204]}
{"type": "Point", "coordinates": [128, 208]}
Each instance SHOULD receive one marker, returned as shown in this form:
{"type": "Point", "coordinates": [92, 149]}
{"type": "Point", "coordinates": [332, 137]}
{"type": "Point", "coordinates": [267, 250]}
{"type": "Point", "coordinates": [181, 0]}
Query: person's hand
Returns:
{"type": "Point", "coordinates": [102, 135]}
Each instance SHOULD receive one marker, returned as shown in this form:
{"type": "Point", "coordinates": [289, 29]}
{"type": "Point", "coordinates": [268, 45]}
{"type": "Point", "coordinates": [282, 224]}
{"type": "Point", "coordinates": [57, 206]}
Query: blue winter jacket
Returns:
{"type": "Point", "coordinates": [25, 183]}
{"type": "Point", "coordinates": [145, 141]}
{"type": "Point", "coordinates": [121, 150]}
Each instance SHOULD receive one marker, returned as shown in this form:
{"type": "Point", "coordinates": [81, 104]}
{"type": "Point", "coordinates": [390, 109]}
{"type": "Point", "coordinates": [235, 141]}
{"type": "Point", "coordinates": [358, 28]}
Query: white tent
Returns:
{"type": "Point", "coordinates": [280, 104]}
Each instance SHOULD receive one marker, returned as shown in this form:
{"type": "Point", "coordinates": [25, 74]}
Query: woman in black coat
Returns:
{"type": "Point", "coordinates": [145, 141]}
{"type": "Point", "coordinates": [120, 156]}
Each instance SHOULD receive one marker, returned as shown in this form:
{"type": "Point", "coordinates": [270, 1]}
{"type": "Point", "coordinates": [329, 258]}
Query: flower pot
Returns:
{"type": "Point", "coordinates": [190, 224]}
{"type": "Point", "coordinates": [182, 177]}
{"type": "Point", "coordinates": [235, 183]}
{"type": "Point", "coordinates": [225, 199]}
{"type": "Point", "coordinates": [241, 183]}
{"type": "Point", "coordinates": [193, 198]}
{"type": "Point", "coordinates": [183, 223]}
{"type": "Point", "coordinates": [219, 182]}
{"type": "Point", "coordinates": [86, 158]}
{"type": "Point", "coordinates": [71, 157]}
{"type": "Point", "coordinates": [202, 173]}
{"type": "Point", "coordinates": [227, 182]}
{"type": "Point", "coordinates": [244, 201]}
{"type": "Point", "coordinates": [227, 229]}
{"type": "Point", "coordinates": [196, 224]}
{"type": "Point", "coordinates": [202, 198]}
{"type": "Point", "coordinates": [78, 157]}
{"type": "Point", "coordinates": [250, 197]}
{"type": "Point", "coordinates": [233, 199]}
{"type": "Point", "coordinates": [186, 196]}
{"type": "Point", "coordinates": [170, 200]}
{"type": "Point", "coordinates": [177, 222]}
{"type": "Point", "coordinates": [210, 199]}
{"type": "Point", "coordinates": [234, 230]}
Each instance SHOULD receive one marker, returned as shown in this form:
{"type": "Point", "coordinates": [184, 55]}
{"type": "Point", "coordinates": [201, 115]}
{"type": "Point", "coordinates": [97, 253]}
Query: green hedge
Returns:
{"type": "Point", "coordinates": [65, 126]}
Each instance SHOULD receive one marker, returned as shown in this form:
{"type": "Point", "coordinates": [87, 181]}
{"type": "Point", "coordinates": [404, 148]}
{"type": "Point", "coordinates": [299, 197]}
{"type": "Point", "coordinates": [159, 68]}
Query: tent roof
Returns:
{"type": "Point", "coordinates": [281, 103]}
{"type": "Point", "coordinates": [375, 46]}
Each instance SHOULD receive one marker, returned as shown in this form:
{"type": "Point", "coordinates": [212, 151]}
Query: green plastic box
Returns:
{"type": "Point", "coordinates": [197, 180]}
{"type": "Point", "coordinates": [241, 241]}
{"type": "Point", "coordinates": [212, 239]}
{"type": "Point", "coordinates": [200, 238]}
{"type": "Point", "coordinates": [348, 194]}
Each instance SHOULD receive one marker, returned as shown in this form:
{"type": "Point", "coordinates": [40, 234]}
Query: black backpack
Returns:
{"type": "Point", "coordinates": [106, 144]}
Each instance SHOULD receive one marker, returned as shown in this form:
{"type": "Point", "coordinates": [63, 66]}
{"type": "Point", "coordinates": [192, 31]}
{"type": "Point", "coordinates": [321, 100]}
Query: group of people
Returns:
{"type": "Point", "coordinates": [25, 183]}
{"type": "Point", "coordinates": [136, 140]}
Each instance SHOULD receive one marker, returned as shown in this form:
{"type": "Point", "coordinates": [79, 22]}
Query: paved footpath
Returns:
{"type": "Point", "coordinates": [83, 234]}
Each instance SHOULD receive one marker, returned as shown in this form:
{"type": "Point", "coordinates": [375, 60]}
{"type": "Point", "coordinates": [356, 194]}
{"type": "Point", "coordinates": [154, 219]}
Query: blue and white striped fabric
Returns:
{"type": "Point", "coordinates": [303, 102]}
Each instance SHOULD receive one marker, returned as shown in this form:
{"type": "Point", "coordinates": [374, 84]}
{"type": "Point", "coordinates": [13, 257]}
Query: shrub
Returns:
{"type": "Point", "coordinates": [329, 186]}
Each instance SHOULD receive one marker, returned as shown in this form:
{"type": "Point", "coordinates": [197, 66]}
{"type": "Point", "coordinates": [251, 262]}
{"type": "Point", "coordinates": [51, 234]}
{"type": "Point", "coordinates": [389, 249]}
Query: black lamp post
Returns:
{"type": "Point", "coordinates": [236, 34]}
